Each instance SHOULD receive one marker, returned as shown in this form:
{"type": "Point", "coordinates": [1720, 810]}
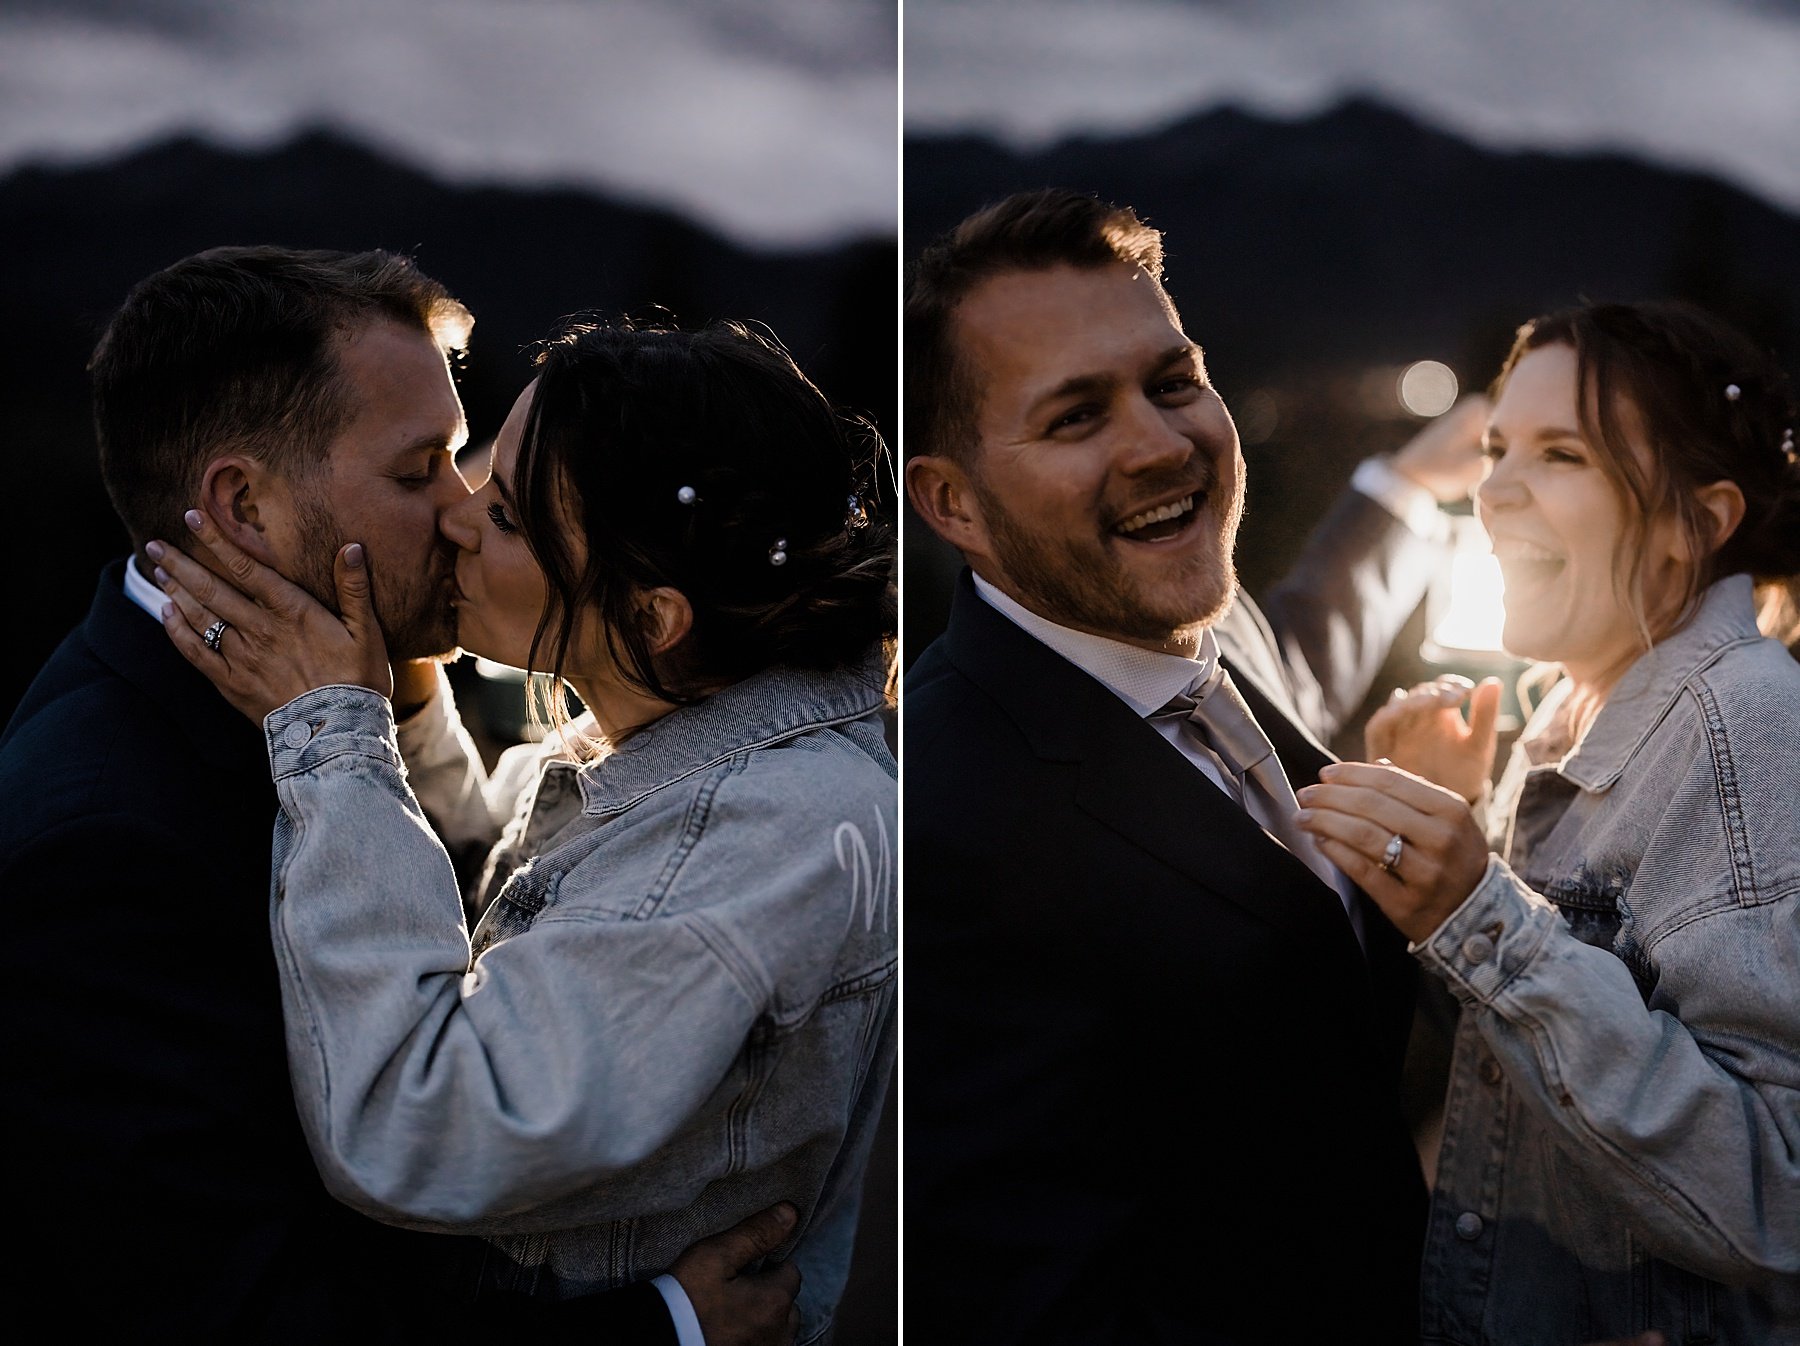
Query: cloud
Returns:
{"type": "Point", "coordinates": [1707, 84]}
{"type": "Point", "coordinates": [778, 129]}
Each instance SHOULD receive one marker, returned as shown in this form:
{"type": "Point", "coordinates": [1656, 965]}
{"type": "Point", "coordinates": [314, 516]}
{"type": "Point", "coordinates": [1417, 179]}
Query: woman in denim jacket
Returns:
{"type": "Point", "coordinates": [676, 1006]}
{"type": "Point", "coordinates": [1622, 1128]}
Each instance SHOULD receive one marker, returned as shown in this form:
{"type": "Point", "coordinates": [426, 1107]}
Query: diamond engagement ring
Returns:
{"type": "Point", "coordinates": [1391, 856]}
{"type": "Point", "coordinates": [214, 634]}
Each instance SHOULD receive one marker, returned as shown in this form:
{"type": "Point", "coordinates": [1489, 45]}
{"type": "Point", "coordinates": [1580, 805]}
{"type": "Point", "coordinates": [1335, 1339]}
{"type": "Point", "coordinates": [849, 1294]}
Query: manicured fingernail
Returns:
{"type": "Point", "coordinates": [1327, 772]}
{"type": "Point", "coordinates": [154, 550]}
{"type": "Point", "coordinates": [194, 521]}
{"type": "Point", "coordinates": [162, 577]}
{"type": "Point", "coordinates": [168, 611]}
{"type": "Point", "coordinates": [1303, 815]}
{"type": "Point", "coordinates": [785, 1215]}
{"type": "Point", "coordinates": [353, 555]}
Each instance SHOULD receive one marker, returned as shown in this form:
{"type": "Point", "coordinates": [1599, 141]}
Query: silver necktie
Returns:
{"type": "Point", "coordinates": [1226, 725]}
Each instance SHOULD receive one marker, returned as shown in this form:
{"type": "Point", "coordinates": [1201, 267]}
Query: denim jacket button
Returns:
{"type": "Point", "coordinates": [1490, 1071]}
{"type": "Point", "coordinates": [1478, 948]}
{"type": "Point", "coordinates": [297, 735]}
{"type": "Point", "coordinates": [1468, 1226]}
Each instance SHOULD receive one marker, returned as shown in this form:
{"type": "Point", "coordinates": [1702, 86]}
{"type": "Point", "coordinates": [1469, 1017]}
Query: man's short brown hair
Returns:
{"type": "Point", "coordinates": [1030, 231]}
{"type": "Point", "coordinates": [236, 350]}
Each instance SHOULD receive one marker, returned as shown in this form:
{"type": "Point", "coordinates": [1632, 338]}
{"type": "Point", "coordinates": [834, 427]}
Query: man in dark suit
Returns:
{"type": "Point", "coordinates": [1152, 1051]}
{"type": "Point", "coordinates": [159, 1174]}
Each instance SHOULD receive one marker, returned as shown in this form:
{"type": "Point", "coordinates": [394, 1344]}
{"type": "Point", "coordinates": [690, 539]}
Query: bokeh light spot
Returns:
{"type": "Point", "coordinates": [1428, 388]}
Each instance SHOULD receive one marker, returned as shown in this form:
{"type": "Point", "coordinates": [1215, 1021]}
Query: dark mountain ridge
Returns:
{"type": "Point", "coordinates": [1314, 258]}
{"type": "Point", "coordinates": [76, 239]}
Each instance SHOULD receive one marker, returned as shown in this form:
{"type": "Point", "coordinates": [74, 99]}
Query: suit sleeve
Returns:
{"type": "Point", "coordinates": [1336, 614]}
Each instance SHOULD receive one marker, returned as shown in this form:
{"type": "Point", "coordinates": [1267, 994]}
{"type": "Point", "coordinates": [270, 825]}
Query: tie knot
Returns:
{"type": "Point", "coordinates": [1220, 711]}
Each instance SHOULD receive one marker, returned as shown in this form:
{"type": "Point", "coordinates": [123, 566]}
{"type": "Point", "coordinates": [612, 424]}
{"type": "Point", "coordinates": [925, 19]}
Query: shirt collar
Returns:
{"type": "Point", "coordinates": [142, 592]}
{"type": "Point", "coordinates": [1145, 680]}
{"type": "Point", "coordinates": [1726, 617]}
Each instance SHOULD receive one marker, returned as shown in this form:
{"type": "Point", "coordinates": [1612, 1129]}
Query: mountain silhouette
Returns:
{"type": "Point", "coordinates": [1313, 258]}
{"type": "Point", "coordinates": [76, 239]}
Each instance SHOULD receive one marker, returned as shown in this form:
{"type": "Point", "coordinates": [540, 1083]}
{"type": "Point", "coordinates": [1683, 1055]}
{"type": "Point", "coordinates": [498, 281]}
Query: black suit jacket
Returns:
{"type": "Point", "coordinates": [1151, 1080]}
{"type": "Point", "coordinates": [158, 1177]}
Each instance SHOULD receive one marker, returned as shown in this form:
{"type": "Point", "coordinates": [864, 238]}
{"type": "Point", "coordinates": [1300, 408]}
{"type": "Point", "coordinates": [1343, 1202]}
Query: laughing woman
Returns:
{"type": "Point", "coordinates": [1622, 1134]}
{"type": "Point", "coordinates": [676, 1006]}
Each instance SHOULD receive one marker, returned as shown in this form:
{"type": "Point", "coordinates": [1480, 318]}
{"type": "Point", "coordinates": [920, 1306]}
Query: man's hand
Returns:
{"type": "Point", "coordinates": [1445, 457]}
{"type": "Point", "coordinates": [737, 1305]}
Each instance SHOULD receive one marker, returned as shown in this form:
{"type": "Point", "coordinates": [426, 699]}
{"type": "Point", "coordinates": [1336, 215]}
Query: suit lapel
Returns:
{"type": "Point", "coordinates": [1127, 777]}
{"type": "Point", "coordinates": [130, 642]}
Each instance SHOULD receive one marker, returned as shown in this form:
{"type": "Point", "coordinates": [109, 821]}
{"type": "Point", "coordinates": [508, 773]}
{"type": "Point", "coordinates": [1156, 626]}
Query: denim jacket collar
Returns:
{"type": "Point", "coordinates": [1651, 686]}
{"type": "Point", "coordinates": [764, 708]}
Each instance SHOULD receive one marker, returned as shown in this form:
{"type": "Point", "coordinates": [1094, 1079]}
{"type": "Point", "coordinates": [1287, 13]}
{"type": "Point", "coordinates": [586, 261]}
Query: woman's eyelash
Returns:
{"type": "Point", "coordinates": [497, 512]}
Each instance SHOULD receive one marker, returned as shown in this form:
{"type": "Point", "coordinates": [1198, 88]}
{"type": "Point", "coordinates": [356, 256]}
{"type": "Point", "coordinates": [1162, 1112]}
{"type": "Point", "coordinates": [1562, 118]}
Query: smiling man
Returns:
{"type": "Point", "coordinates": [1153, 1037]}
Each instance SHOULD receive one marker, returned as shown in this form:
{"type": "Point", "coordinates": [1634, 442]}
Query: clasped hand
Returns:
{"type": "Point", "coordinates": [279, 640]}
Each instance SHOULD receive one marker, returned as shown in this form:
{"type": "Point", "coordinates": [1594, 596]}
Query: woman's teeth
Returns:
{"type": "Point", "coordinates": [1162, 514]}
{"type": "Point", "coordinates": [1526, 561]}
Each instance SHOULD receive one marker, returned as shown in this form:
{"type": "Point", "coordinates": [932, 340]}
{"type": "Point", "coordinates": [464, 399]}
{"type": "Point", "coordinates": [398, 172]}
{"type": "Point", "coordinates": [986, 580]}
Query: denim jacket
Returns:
{"type": "Point", "coordinates": [677, 1009]}
{"type": "Point", "coordinates": [1622, 1129]}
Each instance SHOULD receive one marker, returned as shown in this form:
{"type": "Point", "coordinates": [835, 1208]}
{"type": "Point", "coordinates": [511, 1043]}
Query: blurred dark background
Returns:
{"type": "Point", "coordinates": [1315, 258]}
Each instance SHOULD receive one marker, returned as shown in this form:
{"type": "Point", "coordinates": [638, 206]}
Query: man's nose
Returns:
{"type": "Point", "coordinates": [1156, 437]}
{"type": "Point", "coordinates": [459, 525]}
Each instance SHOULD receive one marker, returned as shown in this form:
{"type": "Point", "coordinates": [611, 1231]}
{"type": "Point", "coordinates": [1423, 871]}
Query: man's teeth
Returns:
{"type": "Point", "coordinates": [1174, 510]}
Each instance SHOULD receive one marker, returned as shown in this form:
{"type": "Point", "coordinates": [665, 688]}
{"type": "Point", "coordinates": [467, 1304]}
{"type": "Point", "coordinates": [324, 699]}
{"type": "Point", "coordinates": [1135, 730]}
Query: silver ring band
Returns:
{"type": "Point", "coordinates": [214, 634]}
{"type": "Point", "coordinates": [1390, 858]}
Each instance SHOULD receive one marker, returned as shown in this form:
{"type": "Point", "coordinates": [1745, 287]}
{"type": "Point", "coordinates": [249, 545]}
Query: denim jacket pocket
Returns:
{"type": "Point", "coordinates": [515, 908]}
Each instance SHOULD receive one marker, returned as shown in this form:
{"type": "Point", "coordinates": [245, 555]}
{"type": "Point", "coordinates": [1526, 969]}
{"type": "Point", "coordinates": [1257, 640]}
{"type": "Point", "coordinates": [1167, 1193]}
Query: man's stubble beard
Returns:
{"type": "Point", "coordinates": [1071, 589]}
{"type": "Point", "coordinates": [418, 622]}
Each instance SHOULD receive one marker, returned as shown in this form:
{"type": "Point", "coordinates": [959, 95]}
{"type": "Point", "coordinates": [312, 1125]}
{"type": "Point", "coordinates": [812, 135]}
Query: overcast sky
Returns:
{"type": "Point", "coordinates": [773, 121]}
{"type": "Point", "coordinates": [1708, 84]}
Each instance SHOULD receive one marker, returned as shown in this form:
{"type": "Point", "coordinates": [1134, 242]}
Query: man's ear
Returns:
{"type": "Point", "coordinates": [249, 503]}
{"type": "Point", "coordinates": [668, 617]}
{"type": "Point", "coordinates": [941, 493]}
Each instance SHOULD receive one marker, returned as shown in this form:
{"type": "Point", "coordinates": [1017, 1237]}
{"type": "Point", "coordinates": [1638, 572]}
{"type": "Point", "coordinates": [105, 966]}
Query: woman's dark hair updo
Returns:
{"type": "Point", "coordinates": [707, 462]}
{"type": "Point", "coordinates": [1711, 406]}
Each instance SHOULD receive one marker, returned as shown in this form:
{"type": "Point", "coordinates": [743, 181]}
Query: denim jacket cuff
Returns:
{"type": "Point", "coordinates": [329, 722]}
{"type": "Point", "coordinates": [1491, 938]}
